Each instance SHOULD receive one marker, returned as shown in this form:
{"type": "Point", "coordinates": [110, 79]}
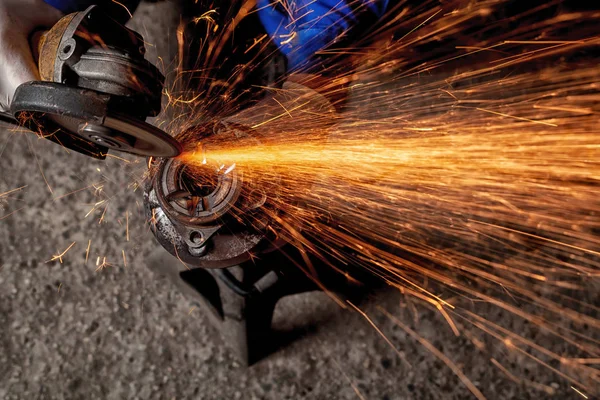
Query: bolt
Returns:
{"type": "Point", "coordinates": [197, 237]}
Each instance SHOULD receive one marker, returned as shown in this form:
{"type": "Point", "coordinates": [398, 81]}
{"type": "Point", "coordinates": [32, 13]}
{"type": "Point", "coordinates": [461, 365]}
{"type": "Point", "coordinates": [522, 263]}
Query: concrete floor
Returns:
{"type": "Point", "coordinates": [70, 331]}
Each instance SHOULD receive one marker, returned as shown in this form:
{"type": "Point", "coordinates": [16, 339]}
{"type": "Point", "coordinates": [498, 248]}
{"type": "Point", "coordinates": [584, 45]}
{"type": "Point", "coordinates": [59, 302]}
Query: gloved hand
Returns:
{"type": "Point", "coordinates": [301, 28]}
{"type": "Point", "coordinates": [18, 19]}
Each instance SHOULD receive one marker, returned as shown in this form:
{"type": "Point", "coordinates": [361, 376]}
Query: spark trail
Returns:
{"type": "Point", "coordinates": [464, 170]}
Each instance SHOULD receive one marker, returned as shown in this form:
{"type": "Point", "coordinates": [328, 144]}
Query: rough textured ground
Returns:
{"type": "Point", "coordinates": [68, 331]}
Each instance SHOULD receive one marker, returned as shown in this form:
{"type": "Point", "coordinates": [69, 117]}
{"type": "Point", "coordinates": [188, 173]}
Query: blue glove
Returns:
{"type": "Point", "coordinates": [301, 28]}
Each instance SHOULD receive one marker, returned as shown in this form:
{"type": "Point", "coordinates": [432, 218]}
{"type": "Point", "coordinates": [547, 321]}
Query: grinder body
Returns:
{"type": "Point", "coordinates": [97, 89]}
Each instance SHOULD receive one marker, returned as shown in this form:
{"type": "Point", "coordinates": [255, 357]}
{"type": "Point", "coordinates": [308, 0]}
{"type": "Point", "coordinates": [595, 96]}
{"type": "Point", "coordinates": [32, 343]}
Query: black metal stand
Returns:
{"type": "Point", "coordinates": [240, 300]}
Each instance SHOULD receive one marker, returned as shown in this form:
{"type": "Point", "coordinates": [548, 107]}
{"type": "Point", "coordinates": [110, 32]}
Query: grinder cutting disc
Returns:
{"type": "Point", "coordinates": [74, 113]}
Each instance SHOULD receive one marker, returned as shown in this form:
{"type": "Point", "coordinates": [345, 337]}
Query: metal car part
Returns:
{"type": "Point", "coordinates": [200, 213]}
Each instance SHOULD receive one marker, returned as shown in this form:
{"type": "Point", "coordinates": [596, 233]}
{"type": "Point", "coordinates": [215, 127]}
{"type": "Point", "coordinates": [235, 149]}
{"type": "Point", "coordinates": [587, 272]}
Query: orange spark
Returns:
{"type": "Point", "coordinates": [60, 256]}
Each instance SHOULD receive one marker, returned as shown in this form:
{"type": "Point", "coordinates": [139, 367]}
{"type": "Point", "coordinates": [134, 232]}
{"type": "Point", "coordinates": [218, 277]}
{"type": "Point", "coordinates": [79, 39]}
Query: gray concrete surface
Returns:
{"type": "Point", "coordinates": [70, 331]}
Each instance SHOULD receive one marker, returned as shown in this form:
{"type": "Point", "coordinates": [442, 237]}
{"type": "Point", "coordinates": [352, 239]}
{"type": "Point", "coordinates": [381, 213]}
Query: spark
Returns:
{"type": "Point", "coordinates": [463, 163]}
{"type": "Point", "coordinates": [512, 116]}
{"type": "Point", "coordinates": [290, 37]}
{"type": "Point", "coordinates": [95, 207]}
{"type": "Point", "coordinates": [124, 258]}
{"type": "Point", "coordinates": [94, 185]}
{"type": "Point", "coordinates": [350, 381]}
{"type": "Point", "coordinates": [98, 189]}
{"type": "Point", "coordinates": [102, 265]}
{"type": "Point", "coordinates": [38, 164]}
{"type": "Point", "coordinates": [11, 213]}
{"type": "Point", "coordinates": [60, 256]}
{"type": "Point", "coordinates": [441, 356]}
{"type": "Point", "coordinates": [229, 169]}
{"type": "Point", "coordinates": [124, 6]}
{"type": "Point", "coordinates": [153, 221]}
{"type": "Point", "coordinates": [207, 16]}
{"type": "Point", "coordinates": [286, 112]}
{"type": "Point", "coordinates": [117, 158]}
{"type": "Point", "coordinates": [540, 238]}
{"type": "Point", "coordinates": [579, 392]}
{"type": "Point", "coordinates": [87, 251]}
{"type": "Point", "coordinates": [179, 258]}
{"type": "Point", "coordinates": [5, 194]}
{"type": "Point", "coordinates": [191, 310]}
{"type": "Point", "coordinates": [370, 321]}
{"type": "Point", "coordinates": [548, 389]}
{"type": "Point", "coordinates": [103, 214]}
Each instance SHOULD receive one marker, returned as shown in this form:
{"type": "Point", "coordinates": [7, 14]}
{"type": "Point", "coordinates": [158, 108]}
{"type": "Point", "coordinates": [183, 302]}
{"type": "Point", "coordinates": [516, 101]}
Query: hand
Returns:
{"type": "Point", "coordinates": [18, 19]}
{"type": "Point", "coordinates": [301, 28]}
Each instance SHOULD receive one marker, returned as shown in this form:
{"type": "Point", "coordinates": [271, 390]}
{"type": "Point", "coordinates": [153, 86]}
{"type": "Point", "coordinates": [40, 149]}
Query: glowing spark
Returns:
{"type": "Point", "coordinates": [124, 6]}
{"type": "Point", "coordinates": [38, 164]}
{"type": "Point", "coordinates": [191, 310]}
{"type": "Point", "coordinates": [11, 213]}
{"type": "Point", "coordinates": [519, 118]}
{"type": "Point", "coordinates": [127, 225]}
{"type": "Point", "coordinates": [539, 237]}
{"type": "Point", "coordinates": [352, 384]}
{"type": "Point", "coordinates": [124, 258]}
{"type": "Point", "coordinates": [290, 37]}
{"type": "Point", "coordinates": [370, 321]}
{"type": "Point", "coordinates": [103, 214]}
{"type": "Point", "coordinates": [179, 258]}
{"type": "Point", "coordinates": [87, 251]}
{"type": "Point", "coordinates": [95, 207]}
{"type": "Point", "coordinates": [60, 256]}
{"type": "Point", "coordinates": [102, 265]}
{"type": "Point", "coordinates": [12, 191]}
{"type": "Point", "coordinates": [118, 158]}
{"type": "Point", "coordinates": [229, 169]}
{"type": "Point", "coordinates": [207, 16]}
{"type": "Point", "coordinates": [579, 392]}
{"type": "Point", "coordinates": [420, 25]}
{"type": "Point", "coordinates": [470, 168]}
{"type": "Point", "coordinates": [282, 106]}
{"type": "Point", "coordinates": [441, 356]}
{"type": "Point", "coordinates": [75, 191]}
{"type": "Point", "coordinates": [286, 112]}
{"type": "Point", "coordinates": [548, 389]}
{"type": "Point", "coordinates": [153, 221]}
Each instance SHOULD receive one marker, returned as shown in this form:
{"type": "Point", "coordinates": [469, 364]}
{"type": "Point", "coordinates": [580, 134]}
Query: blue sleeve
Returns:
{"type": "Point", "coordinates": [301, 28]}
{"type": "Point", "coordinates": [70, 6]}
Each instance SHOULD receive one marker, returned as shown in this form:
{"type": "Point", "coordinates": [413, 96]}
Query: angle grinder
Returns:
{"type": "Point", "coordinates": [97, 89]}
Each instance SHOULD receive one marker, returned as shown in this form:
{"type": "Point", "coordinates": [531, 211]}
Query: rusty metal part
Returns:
{"type": "Point", "coordinates": [209, 215]}
{"type": "Point", "coordinates": [98, 89]}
